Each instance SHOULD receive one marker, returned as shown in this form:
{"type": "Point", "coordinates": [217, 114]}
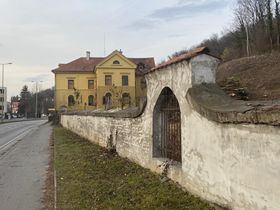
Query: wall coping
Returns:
{"type": "Point", "coordinates": [213, 103]}
{"type": "Point", "coordinates": [131, 112]}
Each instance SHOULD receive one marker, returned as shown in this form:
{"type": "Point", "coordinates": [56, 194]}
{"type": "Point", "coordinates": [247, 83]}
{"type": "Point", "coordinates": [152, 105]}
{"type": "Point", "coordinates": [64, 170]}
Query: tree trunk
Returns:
{"type": "Point", "coordinates": [247, 40]}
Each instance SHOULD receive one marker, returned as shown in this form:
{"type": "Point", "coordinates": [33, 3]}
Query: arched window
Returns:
{"type": "Point", "coordinates": [167, 127]}
{"type": "Point", "coordinates": [126, 98]}
{"type": "Point", "coordinates": [71, 100]}
{"type": "Point", "coordinates": [90, 100]}
{"type": "Point", "coordinates": [116, 62]}
{"type": "Point", "coordinates": [107, 99]}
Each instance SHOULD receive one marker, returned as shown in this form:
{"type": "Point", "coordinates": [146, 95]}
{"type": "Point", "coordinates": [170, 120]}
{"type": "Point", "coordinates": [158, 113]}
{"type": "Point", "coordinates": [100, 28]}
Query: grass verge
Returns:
{"type": "Point", "coordinates": [48, 198]}
{"type": "Point", "coordinates": [90, 178]}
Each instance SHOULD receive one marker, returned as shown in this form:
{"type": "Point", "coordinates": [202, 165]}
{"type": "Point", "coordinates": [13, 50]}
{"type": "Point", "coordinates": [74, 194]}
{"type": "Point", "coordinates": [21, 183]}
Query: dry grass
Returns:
{"type": "Point", "coordinates": [89, 178]}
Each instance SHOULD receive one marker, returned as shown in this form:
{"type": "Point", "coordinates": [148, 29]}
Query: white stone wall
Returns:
{"type": "Point", "coordinates": [233, 165]}
{"type": "Point", "coordinates": [203, 69]}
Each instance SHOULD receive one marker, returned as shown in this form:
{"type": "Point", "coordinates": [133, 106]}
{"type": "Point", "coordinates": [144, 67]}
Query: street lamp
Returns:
{"type": "Point", "coordinates": [36, 105]}
{"type": "Point", "coordinates": [3, 66]}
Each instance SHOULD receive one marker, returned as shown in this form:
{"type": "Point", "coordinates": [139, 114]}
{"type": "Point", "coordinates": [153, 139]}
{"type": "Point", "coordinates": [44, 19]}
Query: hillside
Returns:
{"type": "Point", "coordinates": [255, 78]}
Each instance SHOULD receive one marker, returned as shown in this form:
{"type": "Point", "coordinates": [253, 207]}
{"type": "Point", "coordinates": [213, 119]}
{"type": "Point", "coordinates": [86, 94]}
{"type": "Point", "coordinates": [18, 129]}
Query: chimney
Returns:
{"type": "Point", "coordinates": [88, 55]}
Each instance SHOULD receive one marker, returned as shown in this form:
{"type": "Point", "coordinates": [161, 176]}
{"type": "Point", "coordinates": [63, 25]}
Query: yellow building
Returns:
{"type": "Point", "coordinates": [88, 82]}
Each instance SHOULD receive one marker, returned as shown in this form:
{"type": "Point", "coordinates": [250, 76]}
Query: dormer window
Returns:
{"type": "Point", "coordinates": [116, 62]}
{"type": "Point", "coordinates": [141, 67]}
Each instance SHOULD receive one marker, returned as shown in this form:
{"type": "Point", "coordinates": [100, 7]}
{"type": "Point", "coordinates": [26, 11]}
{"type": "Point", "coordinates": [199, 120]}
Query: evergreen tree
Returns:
{"type": "Point", "coordinates": [24, 104]}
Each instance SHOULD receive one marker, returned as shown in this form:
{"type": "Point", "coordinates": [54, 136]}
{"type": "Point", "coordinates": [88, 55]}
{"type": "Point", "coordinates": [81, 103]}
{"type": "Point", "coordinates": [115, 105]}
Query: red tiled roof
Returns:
{"type": "Point", "coordinates": [185, 56]}
{"type": "Point", "coordinates": [149, 63]}
{"type": "Point", "coordinates": [79, 65]}
{"type": "Point", "coordinates": [84, 65]}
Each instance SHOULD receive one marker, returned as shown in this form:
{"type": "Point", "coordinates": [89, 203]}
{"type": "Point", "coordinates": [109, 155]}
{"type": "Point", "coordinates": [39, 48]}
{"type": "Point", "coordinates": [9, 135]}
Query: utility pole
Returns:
{"type": "Point", "coordinates": [36, 106]}
{"type": "Point", "coordinates": [25, 103]}
{"type": "Point", "coordinates": [36, 98]}
{"type": "Point", "coordinates": [3, 91]}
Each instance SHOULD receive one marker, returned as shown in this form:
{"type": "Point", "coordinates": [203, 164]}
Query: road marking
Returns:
{"type": "Point", "coordinates": [55, 183]}
{"type": "Point", "coordinates": [16, 138]}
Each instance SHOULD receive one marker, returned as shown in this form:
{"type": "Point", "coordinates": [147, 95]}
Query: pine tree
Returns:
{"type": "Point", "coordinates": [24, 105]}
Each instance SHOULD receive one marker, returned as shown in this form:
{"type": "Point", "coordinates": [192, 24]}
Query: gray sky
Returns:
{"type": "Point", "coordinates": [36, 35]}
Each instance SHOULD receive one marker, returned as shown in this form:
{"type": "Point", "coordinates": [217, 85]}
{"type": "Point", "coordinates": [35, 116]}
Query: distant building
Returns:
{"type": "Point", "coordinates": [9, 107]}
{"type": "Point", "coordinates": [101, 82]}
{"type": "Point", "coordinates": [3, 100]}
{"type": "Point", "coordinates": [14, 104]}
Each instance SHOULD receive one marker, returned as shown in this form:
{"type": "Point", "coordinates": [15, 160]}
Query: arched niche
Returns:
{"type": "Point", "coordinates": [167, 127]}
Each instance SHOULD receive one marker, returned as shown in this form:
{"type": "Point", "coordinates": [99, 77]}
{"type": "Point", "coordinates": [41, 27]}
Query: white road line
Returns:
{"type": "Point", "coordinates": [18, 137]}
{"type": "Point", "coordinates": [55, 183]}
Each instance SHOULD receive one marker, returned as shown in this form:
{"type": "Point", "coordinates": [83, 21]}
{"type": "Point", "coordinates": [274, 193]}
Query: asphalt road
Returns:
{"type": "Point", "coordinates": [23, 164]}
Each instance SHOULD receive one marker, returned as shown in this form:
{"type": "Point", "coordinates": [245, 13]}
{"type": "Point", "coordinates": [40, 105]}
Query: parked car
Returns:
{"type": "Point", "coordinates": [14, 116]}
{"type": "Point", "coordinates": [8, 116]}
{"type": "Point", "coordinates": [20, 115]}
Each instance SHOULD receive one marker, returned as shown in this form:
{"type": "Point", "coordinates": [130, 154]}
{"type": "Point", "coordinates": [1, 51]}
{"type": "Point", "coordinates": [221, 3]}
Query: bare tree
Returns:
{"type": "Point", "coordinates": [245, 17]}
{"type": "Point", "coordinates": [277, 17]}
{"type": "Point", "coordinates": [255, 30]}
{"type": "Point", "coordinates": [269, 23]}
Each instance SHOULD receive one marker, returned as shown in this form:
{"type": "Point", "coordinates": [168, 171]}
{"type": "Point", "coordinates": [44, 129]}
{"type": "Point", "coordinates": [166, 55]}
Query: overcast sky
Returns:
{"type": "Point", "coordinates": [36, 35]}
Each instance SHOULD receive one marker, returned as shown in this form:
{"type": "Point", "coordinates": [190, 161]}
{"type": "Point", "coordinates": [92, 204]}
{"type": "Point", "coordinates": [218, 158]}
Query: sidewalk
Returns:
{"type": "Point", "coordinates": [23, 171]}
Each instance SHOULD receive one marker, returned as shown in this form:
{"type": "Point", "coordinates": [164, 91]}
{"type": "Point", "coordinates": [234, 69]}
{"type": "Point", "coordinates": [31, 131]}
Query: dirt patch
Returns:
{"type": "Point", "coordinates": [48, 199]}
{"type": "Point", "coordinates": [259, 76]}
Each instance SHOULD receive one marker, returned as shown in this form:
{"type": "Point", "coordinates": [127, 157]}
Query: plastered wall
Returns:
{"type": "Point", "coordinates": [237, 166]}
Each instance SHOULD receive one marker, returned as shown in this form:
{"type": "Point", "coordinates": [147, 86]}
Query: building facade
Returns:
{"type": "Point", "coordinates": [89, 83]}
{"type": "Point", "coordinates": [3, 100]}
{"type": "Point", "coordinates": [14, 104]}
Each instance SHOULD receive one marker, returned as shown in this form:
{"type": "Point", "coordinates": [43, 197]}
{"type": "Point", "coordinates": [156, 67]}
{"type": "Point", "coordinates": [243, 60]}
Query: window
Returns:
{"type": "Point", "coordinates": [116, 62]}
{"type": "Point", "coordinates": [70, 84]}
{"type": "Point", "coordinates": [107, 98]}
{"type": "Point", "coordinates": [2, 91]}
{"type": "Point", "coordinates": [90, 100]}
{"type": "Point", "coordinates": [126, 98]}
{"type": "Point", "coordinates": [143, 84]}
{"type": "Point", "coordinates": [1, 107]}
{"type": "Point", "coordinates": [71, 100]}
{"type": "Point", "coordinates": [124, 80]}
{"type": "Point", "coordinates": [90, 84]}
{"type": "Point", "coordinates": [1, 99]}
{"type": "Point", "coordinates": [108, 80]}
